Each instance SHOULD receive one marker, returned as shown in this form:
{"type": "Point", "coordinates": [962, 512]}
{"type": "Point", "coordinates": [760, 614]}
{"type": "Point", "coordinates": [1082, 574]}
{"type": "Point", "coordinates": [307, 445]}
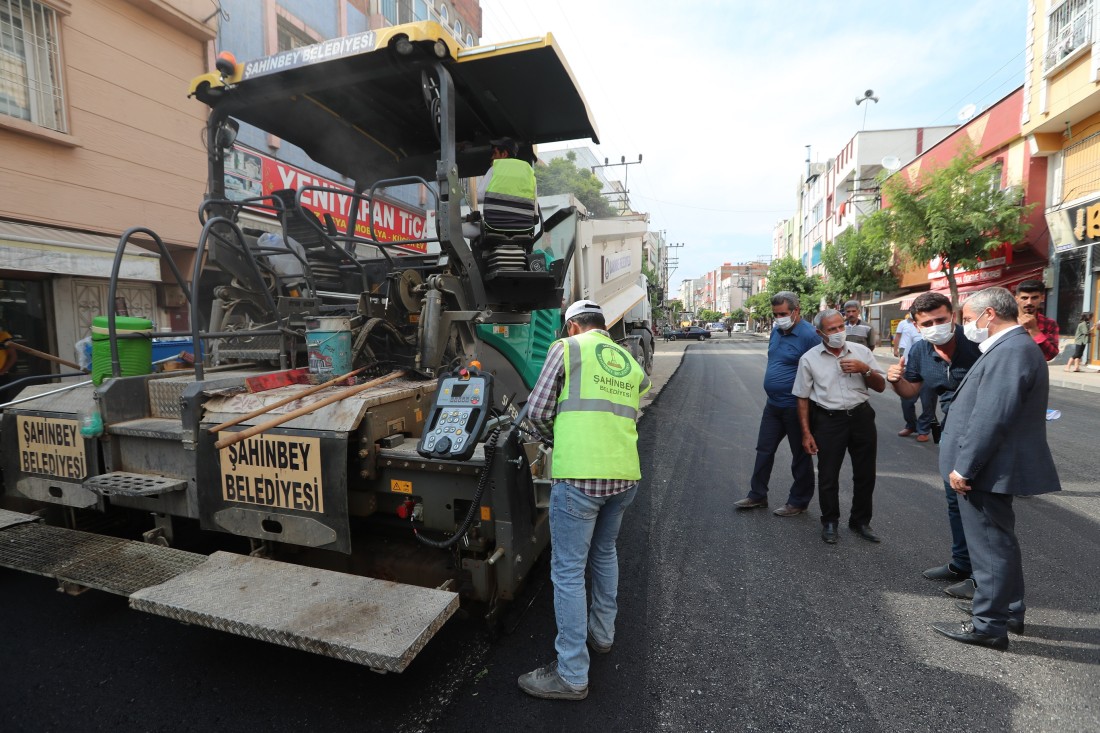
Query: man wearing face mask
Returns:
{"type": "Point", "coordinates": [995, 447]}
{"type": "Point", "coordinates": [791, 338]}
{"type": "Point", "coordinates": [832, 386]}
{"type": "Point", "coordinates": [938, 363]}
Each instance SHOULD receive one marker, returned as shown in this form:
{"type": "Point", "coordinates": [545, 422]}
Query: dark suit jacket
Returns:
{"type": "Point", "coordinates": [996, 432]}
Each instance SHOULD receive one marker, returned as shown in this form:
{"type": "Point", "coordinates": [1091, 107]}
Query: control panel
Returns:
{"type": "Point", "coordinates": [461, 407]}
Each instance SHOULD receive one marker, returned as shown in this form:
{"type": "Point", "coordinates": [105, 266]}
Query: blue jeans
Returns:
{"type": "Point", "coordinates": [583, 530]}
{"type": "Point", "coordinates": [928, 400]}
{"type": "Point", "coordinates": [775, 423]}
{"type": "Point", "coordinates": [960, 555]}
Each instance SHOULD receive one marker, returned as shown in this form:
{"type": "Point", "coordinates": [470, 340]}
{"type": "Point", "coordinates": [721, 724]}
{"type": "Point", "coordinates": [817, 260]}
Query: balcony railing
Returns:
{"type": "Point", "coordinates": [1069, 28]}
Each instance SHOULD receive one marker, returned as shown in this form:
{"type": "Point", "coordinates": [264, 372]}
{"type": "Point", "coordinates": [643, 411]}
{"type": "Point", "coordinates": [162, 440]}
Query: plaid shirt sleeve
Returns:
{"type": "Point", "coordinates": [542, 405]}
{"type": "Point", "coordinates": [1048, 336]}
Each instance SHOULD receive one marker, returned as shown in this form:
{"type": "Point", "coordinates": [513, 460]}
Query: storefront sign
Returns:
{"type": "Point", "coordinates": [249, 174]}
{"type": "Point", "coordinates": [1075, 226]}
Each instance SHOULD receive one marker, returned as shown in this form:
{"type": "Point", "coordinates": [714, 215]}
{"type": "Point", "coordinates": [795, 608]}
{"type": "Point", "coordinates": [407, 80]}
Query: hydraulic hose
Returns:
{"type": "Point", "coordinates": [483, 482]}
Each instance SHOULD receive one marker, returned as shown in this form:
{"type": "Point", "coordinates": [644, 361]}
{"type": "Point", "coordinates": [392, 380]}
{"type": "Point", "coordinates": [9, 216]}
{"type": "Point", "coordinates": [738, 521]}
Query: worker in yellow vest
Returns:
{"type": "Point", "coordinates": [587, 397]}
{"type": "Point", "coordinates": [507, 193]}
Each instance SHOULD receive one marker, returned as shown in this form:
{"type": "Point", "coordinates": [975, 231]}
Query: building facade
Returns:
{"type": "Point", "coordinates": [835, 194]}
{"type": "Point", "coordinates": [1060, 120]}
{"type": "Point", "coordinates": [96, 135]}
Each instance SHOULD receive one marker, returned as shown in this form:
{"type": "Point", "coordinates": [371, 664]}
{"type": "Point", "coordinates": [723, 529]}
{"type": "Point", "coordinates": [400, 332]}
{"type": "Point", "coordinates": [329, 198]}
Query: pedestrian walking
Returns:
{"type": "Point", "coordinates": [587, 397]}
{"type": "Point", "coordinates": [938, 363]}
{"type": "Point", "coordinates": [855, 329]}
{"type": "Point", "coordinates": [832, 386]}
{"type": "Point", "coordinates": [790, 339]}
{"type": "Point", "coordinates": [994, 448]}
{"type": "Point", "coordinates": [1080, 342]}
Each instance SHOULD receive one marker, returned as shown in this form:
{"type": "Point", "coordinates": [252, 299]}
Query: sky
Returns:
{"type": "Point", "coordinates": [721, 97]}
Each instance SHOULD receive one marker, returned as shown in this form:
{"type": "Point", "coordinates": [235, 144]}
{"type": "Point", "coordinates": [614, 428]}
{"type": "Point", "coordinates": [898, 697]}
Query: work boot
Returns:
{"type": "Point", "coordinates": [546, 683]}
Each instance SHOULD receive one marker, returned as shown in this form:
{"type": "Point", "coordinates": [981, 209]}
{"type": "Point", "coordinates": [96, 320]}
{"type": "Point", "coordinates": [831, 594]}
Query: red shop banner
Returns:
{"type": "Point", "coordinates": [251, 174]}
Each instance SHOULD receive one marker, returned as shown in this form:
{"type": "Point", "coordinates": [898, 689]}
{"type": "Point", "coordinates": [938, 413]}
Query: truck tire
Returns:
{"type": "Point", "coordinates": [648, 363]}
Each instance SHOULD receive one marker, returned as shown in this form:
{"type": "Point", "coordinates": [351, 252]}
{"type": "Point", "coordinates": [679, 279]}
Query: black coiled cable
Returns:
{"type": "Point", "coordinates": [483, 482]}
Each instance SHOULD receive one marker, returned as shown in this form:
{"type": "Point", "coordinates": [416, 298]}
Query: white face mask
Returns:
{"type": "Point", "coordinates": [975, 334]}
{"type": "Point", "coordinates": [784, 323]}
{"type": "Point", "coordinates": [836, 340]}
{"type": "Point", "coordinates": [938, 334]}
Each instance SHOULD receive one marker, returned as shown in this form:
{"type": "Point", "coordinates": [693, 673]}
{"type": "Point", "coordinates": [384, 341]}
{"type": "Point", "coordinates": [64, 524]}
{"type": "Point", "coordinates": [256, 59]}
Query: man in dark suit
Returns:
{"type": "Point", "coordinates": [995, 447]}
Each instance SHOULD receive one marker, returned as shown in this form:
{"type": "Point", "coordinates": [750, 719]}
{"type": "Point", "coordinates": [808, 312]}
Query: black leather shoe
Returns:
{"type": "Point", "coordinates": [1014, 625]}
{"type": "Point", "coordinates": [864, 531]}
{"type": "Point", "coordinates": [945, 572]}
{"type": "Point", "coordinates": [966, 634]}
{"type": "Point", "coordinates": [964, 589]}
{"type": "Point", "coordinates": [828, 532]}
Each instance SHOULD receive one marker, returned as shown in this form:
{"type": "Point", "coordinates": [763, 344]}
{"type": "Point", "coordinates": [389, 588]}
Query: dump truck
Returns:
{"type": "Point", "coordinates": [352, 430]}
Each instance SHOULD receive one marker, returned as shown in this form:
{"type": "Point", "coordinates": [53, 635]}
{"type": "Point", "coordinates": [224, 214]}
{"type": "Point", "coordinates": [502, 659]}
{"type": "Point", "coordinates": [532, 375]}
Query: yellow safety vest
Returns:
{"type": "Point", "coordinates": [595, 435]}
{"type": "Point", "coordinates": [509, 203]}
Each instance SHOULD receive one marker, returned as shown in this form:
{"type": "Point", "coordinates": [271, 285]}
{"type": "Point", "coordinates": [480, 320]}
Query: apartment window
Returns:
{"type": "Point", "coordinates": [30, 64]}
{"type": "Point", "coordinates": [1069, 27]}
{"type": "Point", "coordinates": [389, 11]}
{"type": "Point", "coordinates": [443, 14]}
{"type": "Point", "coordinates": [291, 36]}
{"type": "Point", "coordinates": [469, 39]}
{"type": "Point", "coordinates": [420, 9]}
{"type": "Point", "coordinates": [458, 29]}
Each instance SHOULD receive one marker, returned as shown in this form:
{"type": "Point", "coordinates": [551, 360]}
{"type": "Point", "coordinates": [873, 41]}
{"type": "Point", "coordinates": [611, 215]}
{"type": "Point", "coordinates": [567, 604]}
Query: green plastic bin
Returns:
{"type": "Point", "coordinates": [135, 355]}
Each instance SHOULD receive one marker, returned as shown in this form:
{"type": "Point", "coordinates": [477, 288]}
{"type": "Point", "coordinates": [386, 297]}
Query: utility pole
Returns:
{"type": "Point", "coordinates": [672, 261]}
{"type": "Point", "coordinates": [624, 195]}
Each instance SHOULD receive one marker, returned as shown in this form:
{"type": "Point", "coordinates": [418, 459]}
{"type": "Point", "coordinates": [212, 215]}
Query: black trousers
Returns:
{"type": "Point", "coordinates": [837, 432]}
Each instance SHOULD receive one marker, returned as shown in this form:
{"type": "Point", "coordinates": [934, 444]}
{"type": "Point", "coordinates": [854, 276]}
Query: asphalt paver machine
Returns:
{"type": "Point", "coordinates": [369, 504]}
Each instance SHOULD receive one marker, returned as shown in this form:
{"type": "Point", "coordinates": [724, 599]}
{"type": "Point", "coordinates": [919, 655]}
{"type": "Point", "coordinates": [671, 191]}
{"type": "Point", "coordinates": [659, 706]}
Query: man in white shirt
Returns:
{"type": "Point", "coordinates": [833, 385]}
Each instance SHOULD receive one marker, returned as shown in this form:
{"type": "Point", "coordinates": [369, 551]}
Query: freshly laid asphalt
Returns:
{"type": "Point", "coordinates": [728, 621]}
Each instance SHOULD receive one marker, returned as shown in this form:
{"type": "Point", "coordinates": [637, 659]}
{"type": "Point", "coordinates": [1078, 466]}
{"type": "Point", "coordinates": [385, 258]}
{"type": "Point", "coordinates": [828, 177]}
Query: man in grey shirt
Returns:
{"type": "Point", "coordinates": [855, 329]}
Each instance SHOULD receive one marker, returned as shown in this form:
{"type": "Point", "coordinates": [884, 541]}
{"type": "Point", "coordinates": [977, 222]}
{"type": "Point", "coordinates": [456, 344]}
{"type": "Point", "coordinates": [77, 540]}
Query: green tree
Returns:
{"type": "Point", "coordinates": [957, 212]}
{"type": "Point", "coordinates": [674, 309]}
{"type": "Point", "coordinates": [656, 292]}
{"type": "Point", "coordinates": [739, 315]}
{"type": "Point", "coordinates": [563, 176]}
{"type": "Point", "coordinates": [859, 261]}
{"type": "Point", "coordinates": [706, 315]}
{"type": "Point", "coordinates": [759, 306]}
{"type": "Point", "coordinates": [787, 273]}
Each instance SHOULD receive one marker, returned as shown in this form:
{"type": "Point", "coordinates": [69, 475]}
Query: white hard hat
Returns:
{"type": "Point", "coordinates": [580, 308]}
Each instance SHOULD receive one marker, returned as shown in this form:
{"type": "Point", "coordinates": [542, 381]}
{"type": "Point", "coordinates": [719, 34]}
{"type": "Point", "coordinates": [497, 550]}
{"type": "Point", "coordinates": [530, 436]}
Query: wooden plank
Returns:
{"type": "Point", "coordinates": [183, 122]}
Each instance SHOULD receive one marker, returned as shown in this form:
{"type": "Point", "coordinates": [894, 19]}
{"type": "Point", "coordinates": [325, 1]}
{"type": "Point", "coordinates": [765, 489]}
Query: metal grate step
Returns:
{"type": "Point", "coordinates": [108, 564]}
{"type": "Point", "coordinates": [122, 483]}
{"type": "Point", "coordinates": [377, 623]}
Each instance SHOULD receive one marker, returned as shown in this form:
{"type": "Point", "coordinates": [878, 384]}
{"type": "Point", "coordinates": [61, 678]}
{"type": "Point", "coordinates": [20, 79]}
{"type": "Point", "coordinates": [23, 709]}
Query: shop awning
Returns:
{"type": "Point", "coordinates": [33, 248]}
{"type": "Point", "coordinates": [894, 301]}
{"type": "Point", "coordinates": [965, 291]}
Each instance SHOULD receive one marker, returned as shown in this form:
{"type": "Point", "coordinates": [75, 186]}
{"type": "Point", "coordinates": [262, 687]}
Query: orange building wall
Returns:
{"type": "Point", "coordinates": [133, 155]}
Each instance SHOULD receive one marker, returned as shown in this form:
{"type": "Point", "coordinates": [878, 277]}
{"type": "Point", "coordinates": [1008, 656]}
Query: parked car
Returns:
{"type": "Point", "coordinates": [740, 327]}
{"type": "Point", "coordinates": [691, 332]}
{"type": "Point", "coordinates": [716, 328]}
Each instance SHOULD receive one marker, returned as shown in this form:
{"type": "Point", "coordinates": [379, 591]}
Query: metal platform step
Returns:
{"type": "Point", "coordinates": [105, 563]}
{"type": "Point", "coordinates": [157, 428]}
{"type": "Point", "coordinates": [122, 483]}
{"type": "Point", "coordinates": [377, 623]}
